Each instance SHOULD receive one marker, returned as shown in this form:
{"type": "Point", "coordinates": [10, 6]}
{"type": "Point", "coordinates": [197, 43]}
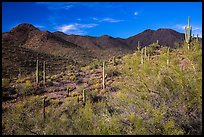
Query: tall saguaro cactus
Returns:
{"type": "Point", "coordinates": [44, 108]}
{"type": "Point", "coordinates": [37, 71]}
{"type": "Point", "coordinates": [138, 45]}
{"type": "Point", "coordinates": [188, 33]}
{"type": "Point", "coordinates": [44, 72]}
{"type": "Point", "coordinates": [84, 96]}
{"type": "Point", "coordinates": [167, 62]}
{"type": "Point", "coordinates": [145, 52]}
{"type": "Point", "coordinates": [142, 59]}
{"type": "Point", "coordinates": [114, 61]}
{"type": "Point", "coordinates": [19, 73]}
{"type": "Point", "coordinates": [103, 74]}
{"type": "Point", "coordinates": [197, 39]}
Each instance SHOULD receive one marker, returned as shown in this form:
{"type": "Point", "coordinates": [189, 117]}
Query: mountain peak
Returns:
{"type": "Point", "coordinates": [105, 36]}
{"type": "Point", "coordinates": [24, 27]}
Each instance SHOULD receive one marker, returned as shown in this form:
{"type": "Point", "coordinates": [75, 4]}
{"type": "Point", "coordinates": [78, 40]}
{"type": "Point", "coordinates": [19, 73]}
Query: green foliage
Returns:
{"type": "Point", "coordinates": [151, 99]}
{"type": "Point", "coordinates": [69, 68]}
{"type": "Point", "coordinates": [5, 82]}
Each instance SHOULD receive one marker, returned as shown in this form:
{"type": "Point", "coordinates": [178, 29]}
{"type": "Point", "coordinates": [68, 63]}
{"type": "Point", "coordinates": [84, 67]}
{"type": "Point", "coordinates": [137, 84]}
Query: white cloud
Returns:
{"type": "Point", "coordinates": [179, 27]}
{"type": "Point", "coordinates": [95, 18]}
{"type": "Point", "coordinates": [57, 5]}
{"type": "Point", "coordinates": [39, 26]}
{"type": "Point", "coordinates": [195, 29]}
{"type": "Point", "coordinates": [136, 13]}
{"type": "Point", "coordinates": [75, 28]}
{"type": "Point", "coordinates": [66, 28]}
{"type": "Point", "coordinates": [111, 20]}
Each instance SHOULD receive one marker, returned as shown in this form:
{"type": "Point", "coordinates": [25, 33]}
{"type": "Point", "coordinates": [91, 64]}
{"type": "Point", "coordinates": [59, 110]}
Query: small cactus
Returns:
{"type": "Point", "coordinates": [37, 72]}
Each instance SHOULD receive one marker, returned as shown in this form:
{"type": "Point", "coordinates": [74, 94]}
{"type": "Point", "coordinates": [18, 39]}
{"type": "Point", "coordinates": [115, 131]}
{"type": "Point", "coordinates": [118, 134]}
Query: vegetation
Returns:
{"type": "Point", "coordinates": [153, 98]}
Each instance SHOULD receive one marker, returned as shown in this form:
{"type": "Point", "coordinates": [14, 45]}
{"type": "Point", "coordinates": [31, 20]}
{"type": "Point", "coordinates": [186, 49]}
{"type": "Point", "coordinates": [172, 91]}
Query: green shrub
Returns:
{"type": "Point", "coordinates": [5, 82]}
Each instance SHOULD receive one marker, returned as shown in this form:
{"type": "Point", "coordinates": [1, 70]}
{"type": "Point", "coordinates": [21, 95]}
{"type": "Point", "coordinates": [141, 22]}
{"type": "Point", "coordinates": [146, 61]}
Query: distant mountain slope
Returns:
{"type": "Point", "coordinates": [165, 37]}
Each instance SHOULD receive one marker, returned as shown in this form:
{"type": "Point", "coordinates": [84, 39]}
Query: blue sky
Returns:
{"type": "Point", "coordinates": [118, 19]}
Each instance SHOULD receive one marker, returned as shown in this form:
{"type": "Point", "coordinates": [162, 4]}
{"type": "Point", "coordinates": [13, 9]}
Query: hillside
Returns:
{"type": "Point", "coordinates": [162, 95]}
{"type": "Point", "coordinates": [166, 37]}
{"type": "Point", "coordinates": [75, 50]}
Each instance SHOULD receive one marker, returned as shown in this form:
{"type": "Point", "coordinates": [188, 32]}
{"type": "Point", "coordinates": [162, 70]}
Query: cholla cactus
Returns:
{"type": "Point", "coordinates": [188, 33]}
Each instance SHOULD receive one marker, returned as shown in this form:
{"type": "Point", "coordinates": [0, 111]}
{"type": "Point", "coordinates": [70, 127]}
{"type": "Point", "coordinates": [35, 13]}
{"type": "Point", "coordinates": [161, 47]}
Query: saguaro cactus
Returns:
{"type": "Point", "coordinates": [142, 59]}
{"type": "Point", "coordinates": [188, 33]}
{"type": "Point", "coordinates": [145, 52]}
{"type": "Point", "coordinates": [84, 96]}
{"type": "Point", "coordinates": [19, 73]}
{"type": "Point", "coordinates": [44, 108]}
{"type": "Point", "coordinates": [197, 39]}
{"type": "Point", "coordinates": [167, 62]}
{"type": "Point", "coordinates": [138, 45]}
{"type": "Point", "coordinates": [103, 74]}
{"type": "Point", "coordinates": [37, 71]}
{"type": "Point", "coordinates": [44, 73]}
{"type": "Point", "coordinates": [68, 91]}
{"type": "Point", "coordinates": [148, 56]}
{"type": "Point", "coordinates": [114, 62]}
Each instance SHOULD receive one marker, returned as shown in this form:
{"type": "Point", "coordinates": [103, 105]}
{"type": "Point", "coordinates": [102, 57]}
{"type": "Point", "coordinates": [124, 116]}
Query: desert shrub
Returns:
{"type": "Point", "coordinates": [72, 77]}
{"type": "Point", "coordinates": [112, 72]}
{"type": "Point", "coordinates": [69, 68]}
{"type": "Point", "coordinates": [27, 88]}
{"type": "Point", "coordinates": [95, 64]}
{"type": "Point", "coordinates": [5, 83]}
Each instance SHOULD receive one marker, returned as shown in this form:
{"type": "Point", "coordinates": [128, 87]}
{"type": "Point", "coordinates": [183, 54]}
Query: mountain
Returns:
{"type": "Point", "coordinates": [25, 43]}
{"type": "Point", "coordinates": [166, 37]}
{"type": "Point", "coordinates": [22, 45]}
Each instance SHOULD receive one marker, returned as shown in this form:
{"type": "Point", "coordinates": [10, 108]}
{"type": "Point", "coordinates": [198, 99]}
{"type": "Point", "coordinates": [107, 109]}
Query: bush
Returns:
{"type": "Point", "coordinates": [5, 83]}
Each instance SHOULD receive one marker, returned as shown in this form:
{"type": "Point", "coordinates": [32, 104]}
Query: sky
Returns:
{"type": "Point", "coordinates": [117, 19]}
